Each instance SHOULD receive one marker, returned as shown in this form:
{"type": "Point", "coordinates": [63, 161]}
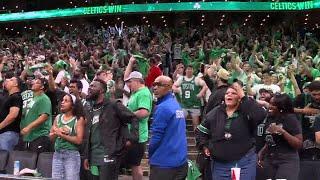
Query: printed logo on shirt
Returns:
{"type": "Point", "coordinates": [95, 119]}
{"type": "Point", "coordinates": [260, 129]}
{"type": "Point", "coordinates": [179, 114]}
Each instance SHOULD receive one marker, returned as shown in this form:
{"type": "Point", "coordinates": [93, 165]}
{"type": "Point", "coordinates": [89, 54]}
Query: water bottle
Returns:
{"type": "Point", "coordinates": [16, 168]}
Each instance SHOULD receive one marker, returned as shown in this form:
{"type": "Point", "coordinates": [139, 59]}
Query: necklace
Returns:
{"type": "Point", "coordinates": [96, 109]}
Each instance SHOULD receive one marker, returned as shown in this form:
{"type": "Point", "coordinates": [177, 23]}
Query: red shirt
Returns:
{"type": "Point", "coordinates": [153, 73]}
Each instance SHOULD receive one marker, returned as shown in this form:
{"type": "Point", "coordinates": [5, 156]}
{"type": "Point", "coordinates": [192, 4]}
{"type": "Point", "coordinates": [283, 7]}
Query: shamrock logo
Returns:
{"type": "Point", "coordinates": [197, 6]}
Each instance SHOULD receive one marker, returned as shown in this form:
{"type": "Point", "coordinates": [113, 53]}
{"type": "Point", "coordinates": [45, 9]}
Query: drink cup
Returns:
{"type": "Point", "coordinates": [235, 173]}
{"type": "Point", "coordinates": [16, 168]}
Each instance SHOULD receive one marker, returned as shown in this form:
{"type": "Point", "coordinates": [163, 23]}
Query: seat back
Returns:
{"type": "Point", "coordinates": [44, 164]}
{"type": "Point", "coordinates": [27, 160]}
{"type": "Point", "coordinates": [3, 160]}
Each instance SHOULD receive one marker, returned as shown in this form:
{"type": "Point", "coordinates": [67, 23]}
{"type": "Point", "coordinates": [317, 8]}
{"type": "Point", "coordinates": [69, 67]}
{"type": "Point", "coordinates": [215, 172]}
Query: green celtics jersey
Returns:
{"type": "Point", "coordinates": [27, 97]}
{"type": "Point", "coordinates": [37, 106]}
{"type": "Point", "coordinates": [189, 91]}
{"type": "Point", "coordinates": [62, 144]}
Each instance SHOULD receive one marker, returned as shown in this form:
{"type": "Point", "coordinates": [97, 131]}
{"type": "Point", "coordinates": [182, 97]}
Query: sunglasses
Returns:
{"type": "Point", "coordinates": [159, 84]}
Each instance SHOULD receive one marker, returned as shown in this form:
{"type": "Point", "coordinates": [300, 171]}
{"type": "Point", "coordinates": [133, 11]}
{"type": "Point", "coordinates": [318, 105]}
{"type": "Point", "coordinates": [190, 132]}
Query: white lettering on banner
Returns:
{"type": "Point", "coordinates": [179, 114]}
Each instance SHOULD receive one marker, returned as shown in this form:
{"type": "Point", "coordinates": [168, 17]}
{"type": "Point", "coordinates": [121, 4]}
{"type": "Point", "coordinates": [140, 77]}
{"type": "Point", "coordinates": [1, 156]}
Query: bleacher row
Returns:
{"type": "Point", "coordinates": [42, 162]}
{"type": "Point", "coordinates": [309, 170]}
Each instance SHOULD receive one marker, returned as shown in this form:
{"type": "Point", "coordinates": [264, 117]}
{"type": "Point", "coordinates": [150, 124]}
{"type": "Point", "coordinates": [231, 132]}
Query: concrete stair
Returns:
{"type": "Point", "coordinates": [192, 150]}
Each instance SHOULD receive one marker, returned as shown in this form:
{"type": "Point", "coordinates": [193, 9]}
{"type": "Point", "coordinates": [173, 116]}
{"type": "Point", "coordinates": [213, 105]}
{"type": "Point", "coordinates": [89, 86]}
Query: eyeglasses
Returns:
{"type": "Point", "coordinates": [159, 84]}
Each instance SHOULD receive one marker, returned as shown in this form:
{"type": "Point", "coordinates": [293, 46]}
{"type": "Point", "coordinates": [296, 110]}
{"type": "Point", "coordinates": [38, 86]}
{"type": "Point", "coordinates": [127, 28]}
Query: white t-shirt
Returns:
{"type": "Point", "coordinates": [59, 77]}
{"type": "Point", "coordinates": [85, 86]}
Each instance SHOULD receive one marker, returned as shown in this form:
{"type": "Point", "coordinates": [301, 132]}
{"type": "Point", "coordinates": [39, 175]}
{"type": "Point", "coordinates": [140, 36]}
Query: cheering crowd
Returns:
{"type": "Point", "coordinates": [253, 96]}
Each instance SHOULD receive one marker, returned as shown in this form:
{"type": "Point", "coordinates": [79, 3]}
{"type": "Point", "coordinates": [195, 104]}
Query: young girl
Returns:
{"type": "Point", "coordinates": [67, 132]}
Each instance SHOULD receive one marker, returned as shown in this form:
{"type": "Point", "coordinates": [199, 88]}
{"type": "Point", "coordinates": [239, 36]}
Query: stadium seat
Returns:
{"type": "Point", "coordinates": [3, 160]}
{"type": "Point", "coordinates": [44, 164]}
{"type": "Point", "coordinates": [27, 160]}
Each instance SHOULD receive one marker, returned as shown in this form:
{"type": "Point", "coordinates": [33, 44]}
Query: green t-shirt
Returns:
{"type": "Point", "coordinates": [37, 106]}
{"type": "Point", "coordinates": [27, 98]}
{"type": "Point", "coordinates": [315, 73]}
{"type": "Point", "coordinates": [62, 144]}
{"type": "Point", "coordinates": [141, 99]}
{"type": "Point", "coordinates": [289, 88]}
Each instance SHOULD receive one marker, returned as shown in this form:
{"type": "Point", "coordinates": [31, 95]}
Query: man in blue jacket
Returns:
{"type": "Point", "coordinates": [168, 143]}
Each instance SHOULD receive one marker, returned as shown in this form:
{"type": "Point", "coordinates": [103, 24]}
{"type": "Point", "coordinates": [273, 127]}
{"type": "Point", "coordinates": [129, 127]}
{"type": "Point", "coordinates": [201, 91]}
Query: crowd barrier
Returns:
{"type": "Point", "coordinates": [309, 170]}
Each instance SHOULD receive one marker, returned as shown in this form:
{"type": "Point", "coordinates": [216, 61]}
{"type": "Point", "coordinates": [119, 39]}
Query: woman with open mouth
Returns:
{"type": "Point", "coordinates": [227, 135]}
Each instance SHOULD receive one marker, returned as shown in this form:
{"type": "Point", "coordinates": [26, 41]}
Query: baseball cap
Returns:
{"type": "Point", "coordinates": [223, 74]}
{"type": "Point", "coordinates": [134, 75]}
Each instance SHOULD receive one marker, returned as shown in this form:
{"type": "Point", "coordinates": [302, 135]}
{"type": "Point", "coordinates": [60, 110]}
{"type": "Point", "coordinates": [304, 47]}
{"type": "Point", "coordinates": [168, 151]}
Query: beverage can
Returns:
{"type": "Point", "coordinates": [16, 167]}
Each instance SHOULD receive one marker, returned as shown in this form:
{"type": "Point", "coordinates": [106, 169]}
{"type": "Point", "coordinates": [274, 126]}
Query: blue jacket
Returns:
{"type": "Point", "coordinates": [168, 143]}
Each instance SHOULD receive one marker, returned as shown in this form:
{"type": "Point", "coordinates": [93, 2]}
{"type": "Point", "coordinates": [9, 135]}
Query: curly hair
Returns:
{"type": "Point", "coordinates": [77, 107]}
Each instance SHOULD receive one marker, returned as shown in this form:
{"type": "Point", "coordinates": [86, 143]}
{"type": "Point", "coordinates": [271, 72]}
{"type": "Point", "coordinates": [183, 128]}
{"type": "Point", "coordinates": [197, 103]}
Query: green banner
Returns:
{"type": "Point", "coordinates": [162, 7]}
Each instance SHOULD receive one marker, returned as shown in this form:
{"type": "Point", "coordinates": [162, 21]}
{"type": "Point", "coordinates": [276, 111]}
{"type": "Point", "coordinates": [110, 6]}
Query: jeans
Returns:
{"type": "Point", "coordinates": [222, 170]}
{"type": "Point", "coordinates": [178, 173]}
{"type": "Point", "coordinates": [8, 140]}
{"type": "Point", "coordinates": [282, 166]}
{"type": "Point", "coordinates": [66, 165]}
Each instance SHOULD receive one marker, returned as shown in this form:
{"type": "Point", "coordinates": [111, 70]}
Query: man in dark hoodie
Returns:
{"type": "Point", "coordinates": [108, 133]}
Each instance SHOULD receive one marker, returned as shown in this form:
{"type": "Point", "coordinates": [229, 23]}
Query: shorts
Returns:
{"type": "Point", "coordinates": [193, 112]}
{"type": "Point", "coordinates": [135, 154]}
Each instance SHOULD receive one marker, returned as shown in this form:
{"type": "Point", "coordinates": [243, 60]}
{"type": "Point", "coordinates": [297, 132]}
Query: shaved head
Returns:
{"type": "Point", "coordinates": [164, 80]}
{"type": "Point", "coordinates": [162, 85]}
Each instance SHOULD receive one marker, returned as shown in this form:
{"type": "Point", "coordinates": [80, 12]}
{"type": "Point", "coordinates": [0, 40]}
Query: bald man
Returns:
{"type": "Point", "coordinates": [168, 144]}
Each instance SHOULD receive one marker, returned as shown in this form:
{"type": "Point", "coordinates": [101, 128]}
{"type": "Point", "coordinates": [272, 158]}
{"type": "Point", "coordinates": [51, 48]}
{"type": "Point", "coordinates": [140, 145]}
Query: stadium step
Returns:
{"type": "Point", "coordinates": [192, 150]}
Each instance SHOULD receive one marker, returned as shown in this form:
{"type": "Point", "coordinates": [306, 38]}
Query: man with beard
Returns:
{"type": "Point", "coordinates": [310, 123]}
{"type": "Point", "coordinates": [36, 118]}
{"type": "Point", "coordinates": [217, 96]}
{"type": "Point", "coordinates": [79, 74]}
{"type": "Point", "coordinates": [264, 98]}
{"type": "Point", "coordinates": [108, 133]}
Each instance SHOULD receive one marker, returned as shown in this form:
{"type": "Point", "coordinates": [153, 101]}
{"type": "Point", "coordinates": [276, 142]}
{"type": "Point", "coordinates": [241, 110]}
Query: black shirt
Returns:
{"type": "Point", "coordinates": [56, 99]}
{"type": "Point", "coordinates": [216, 98]}
{"type": "Point", "coordinates": [277, 143]}
{"type": "Point", "coordinates": [307, 122]}
{"type": "Point", "coordinates": [316, 127]}
{"type": "Point", "coordinates": [241, 126]}
{"type": "Point", "coordinates": [3, 97]}
{"type": "Point", "coordinates": [14, 100]}
{"type": "Point", "coordinates": [210, 83]}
